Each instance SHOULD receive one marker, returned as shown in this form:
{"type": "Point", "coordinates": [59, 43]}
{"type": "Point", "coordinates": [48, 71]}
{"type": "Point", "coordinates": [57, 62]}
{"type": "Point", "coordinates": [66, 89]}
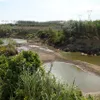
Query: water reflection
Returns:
{"type": "Point", "coordinates": [87, 82]}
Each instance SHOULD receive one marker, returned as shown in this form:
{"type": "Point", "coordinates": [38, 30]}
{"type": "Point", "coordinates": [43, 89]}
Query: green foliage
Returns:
{"type": "Point", "coordinates": [29, 36]}
{"type": "Point", "coordinates": [8, 50]}
{"type": "Point", "coordinates": [10, 69]}
{"type": "Point", "coordinates": [11, 42]}
{"type": "Point", "coordinates": [32, 61]}
{"type": "Point", "coordinates": [72, 35]}
{"type": "Point", "coordinates": [3, 66]}
{"type": "Point", "coordinates": [1, 42]}
{"type": "Point", "coordinates": [51, 37]}
{"type": "Point", "coordinates": [23, 78]}
{"type": "Point", "coordinates": [79, 36]}
{"type": "Point", "coordinates": [5, 30]}
{"type": "Point", "coordinates": [55, 24]}
{"type": "Point", "coordinates": [44, 86]}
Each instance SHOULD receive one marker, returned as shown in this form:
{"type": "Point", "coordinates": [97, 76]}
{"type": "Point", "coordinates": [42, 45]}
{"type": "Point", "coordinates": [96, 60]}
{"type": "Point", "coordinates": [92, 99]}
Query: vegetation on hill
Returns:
{"type": "Point", "coordinates": [83, 36]}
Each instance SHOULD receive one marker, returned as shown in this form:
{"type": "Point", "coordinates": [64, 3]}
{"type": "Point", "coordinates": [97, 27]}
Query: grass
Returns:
{"type": "Point", "coordinates": [8, 50]}
{"type": "Point", "coordinates": [44, 86]}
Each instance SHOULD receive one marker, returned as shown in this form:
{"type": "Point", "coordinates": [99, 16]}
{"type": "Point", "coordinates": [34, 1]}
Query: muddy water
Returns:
{"type": "Point", "coordinates": [87, 82]}
{"type": "Point", "coordinates": [78, 56]}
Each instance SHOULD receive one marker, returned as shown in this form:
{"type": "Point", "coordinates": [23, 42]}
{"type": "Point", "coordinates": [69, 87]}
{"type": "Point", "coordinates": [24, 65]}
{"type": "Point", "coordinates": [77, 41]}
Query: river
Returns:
{"type": "Point", "coordinates": [18, 41]}
{"type": "Point", "coordinates": [87, 82]}
{"type": "Point", "coordinates": [77, 56]}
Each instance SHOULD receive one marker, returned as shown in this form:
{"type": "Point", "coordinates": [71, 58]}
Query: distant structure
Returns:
{"type": "Point", "coordinates": [89, 14]}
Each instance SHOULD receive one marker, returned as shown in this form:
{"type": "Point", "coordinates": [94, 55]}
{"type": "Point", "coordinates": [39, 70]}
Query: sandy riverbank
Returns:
{"type": "Point", "coordinates": [56, 56]}
{"type": "Point", "coordinates": [90, 68]}
{"type": "Point", "coordinates": [48, 55]}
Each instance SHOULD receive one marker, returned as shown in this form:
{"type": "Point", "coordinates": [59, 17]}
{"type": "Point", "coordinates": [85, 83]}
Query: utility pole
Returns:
{"type": "Point", "coordinates": [89, 14]}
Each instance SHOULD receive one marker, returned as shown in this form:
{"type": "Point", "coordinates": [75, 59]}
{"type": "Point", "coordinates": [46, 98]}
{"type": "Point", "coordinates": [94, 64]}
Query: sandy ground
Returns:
{"type": "Point", "coordinates": [56, 56]}
{"type": "Point", "coordinates": [80, 64]}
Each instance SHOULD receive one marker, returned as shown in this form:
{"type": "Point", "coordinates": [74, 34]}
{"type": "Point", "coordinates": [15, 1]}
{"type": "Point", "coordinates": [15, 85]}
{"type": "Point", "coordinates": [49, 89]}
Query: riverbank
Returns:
{"type": "Point", "coordinates": [52, 54]}
{"type": "Point", "coordinates": [56, 56]}
{"type": "Point", "coordinates": [49, 54]}
{"type": "Point", "coordinates": [46, 55]}
{"type": "Point", "coordinates": [87, 67]}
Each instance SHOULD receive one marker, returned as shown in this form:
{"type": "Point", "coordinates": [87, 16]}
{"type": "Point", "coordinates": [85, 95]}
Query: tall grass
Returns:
{"type": "Point", "coordinates": [8, 48]}
{"type": "Point", "coordinates": [43, 86]}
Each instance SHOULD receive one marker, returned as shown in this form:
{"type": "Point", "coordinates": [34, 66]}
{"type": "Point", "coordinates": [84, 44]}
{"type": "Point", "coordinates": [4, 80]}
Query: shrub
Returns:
{"type": "Point", "coordinates": [43, 86]}
{"type": "Point", "coordinates": [10, 69]}
{"type": "Point", "coordinates": [22, 78]}
{"type": "Point", "coordinates": [1, 42]}
{"type": "Point", "coordinates": [8, 50]}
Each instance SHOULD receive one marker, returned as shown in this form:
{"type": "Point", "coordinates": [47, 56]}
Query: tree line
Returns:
{"type": "Point", "coordinates": [83, 36]}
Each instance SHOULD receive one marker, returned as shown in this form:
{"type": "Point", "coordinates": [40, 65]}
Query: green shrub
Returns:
{"type": "Point", "coordinates": [1, 42]}
{"type": "Point", "coordinates": [44, 86]}
{"type": "Point", "coordinates": [22, 78]}
{"type": "Point", "coordinates": [10, 69]}
{"type": "Point", "coordinates": [30, 36]}
{"type": "Point", "coordinates": [8, 50]}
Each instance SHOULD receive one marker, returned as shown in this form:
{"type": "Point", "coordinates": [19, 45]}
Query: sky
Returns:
{"type": "Point", "coordinates": [48, 10]}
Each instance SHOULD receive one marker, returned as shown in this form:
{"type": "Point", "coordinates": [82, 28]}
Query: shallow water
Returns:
{"type": "Point", "coordinates": [19, 41]}
{"type": "Point", "coordinates": [78, 56]}
{"type": "Point", "coordinates": [87, 82]}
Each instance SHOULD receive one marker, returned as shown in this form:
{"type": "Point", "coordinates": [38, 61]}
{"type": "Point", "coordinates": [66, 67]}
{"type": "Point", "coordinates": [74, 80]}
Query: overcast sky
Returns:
{"type": "Point", "coordinates": [46, 10]}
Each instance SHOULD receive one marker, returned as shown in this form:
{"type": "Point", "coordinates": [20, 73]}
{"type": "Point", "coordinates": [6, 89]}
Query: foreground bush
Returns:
{"type": "Point", "coordinates": [43, 86]}
{"type": "Point", "coordinates": [22, 78]}
{"type": "Point", "coordinates": [12, 67]}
